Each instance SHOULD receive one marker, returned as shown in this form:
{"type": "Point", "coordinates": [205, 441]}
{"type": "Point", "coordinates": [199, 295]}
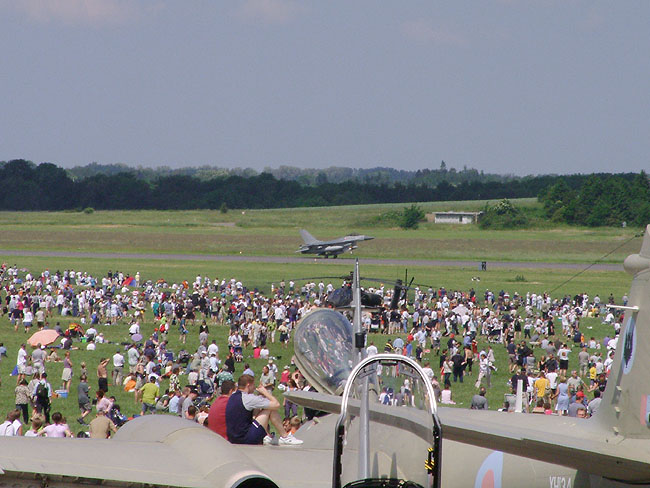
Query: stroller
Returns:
{"type": "Point", "coordinates": [238, 354]}
{"type": "Point", "coordinates": [494, 335]}
{"type": "Point", "coordinates": [118, 418]}
{"type": "Point", "coordinates": [183, 357]}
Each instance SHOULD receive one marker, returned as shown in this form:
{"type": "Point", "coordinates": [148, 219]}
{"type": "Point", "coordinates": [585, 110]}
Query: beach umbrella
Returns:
{"type": "Point", "coordinates": [461, 310]}
{"type": "Point", "coordinates": [136, 337]}
{"type": "Point", "coordinates": [43, 337]}
{"type": "Point", "coordinates": [129, 281]}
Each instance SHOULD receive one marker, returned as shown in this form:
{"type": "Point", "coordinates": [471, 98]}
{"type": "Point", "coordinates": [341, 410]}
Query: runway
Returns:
{"type": "Point", "coordinates": [305, 260]}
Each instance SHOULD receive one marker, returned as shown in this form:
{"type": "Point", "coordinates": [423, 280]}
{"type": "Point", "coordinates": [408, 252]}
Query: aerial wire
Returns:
{"type": "Point", "coordinates": [596, 261]}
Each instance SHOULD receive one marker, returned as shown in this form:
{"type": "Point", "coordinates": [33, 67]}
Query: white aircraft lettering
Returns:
{"type": "Point", "coordinates": [560, 481]}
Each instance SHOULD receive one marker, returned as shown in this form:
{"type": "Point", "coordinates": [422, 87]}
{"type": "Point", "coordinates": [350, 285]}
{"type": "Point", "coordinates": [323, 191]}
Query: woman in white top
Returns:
{"type": "Point", "coordinates": [445, 396]}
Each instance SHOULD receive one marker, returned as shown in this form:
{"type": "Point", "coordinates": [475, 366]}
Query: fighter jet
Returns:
{"type": "Point", "coordinates": [329, 248]}
{"type": "Point", "coordinates": [385, 429]}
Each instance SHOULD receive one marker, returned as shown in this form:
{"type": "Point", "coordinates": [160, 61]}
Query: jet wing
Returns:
{"type": "Point", "coordinates": [572, 442]}
{"type": "Point", "coordinates": [156, 450]}
{"type": "Point", "coordinates": [98, 459]}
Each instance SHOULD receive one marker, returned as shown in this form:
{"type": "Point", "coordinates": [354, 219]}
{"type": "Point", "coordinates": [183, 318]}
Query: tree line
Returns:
{"type": "Point", "coordinates": [576, 199]}
{"type": "Point", "coordinates": [305, 176]}
{"type": "Point", "coordinates": [601, 200]}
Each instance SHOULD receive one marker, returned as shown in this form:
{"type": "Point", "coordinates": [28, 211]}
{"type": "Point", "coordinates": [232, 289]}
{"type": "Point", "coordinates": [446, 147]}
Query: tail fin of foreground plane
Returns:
{"type": "Point", "coordinates": [625, 408]}
{"type": "Point", "coordinates": [307, 237]}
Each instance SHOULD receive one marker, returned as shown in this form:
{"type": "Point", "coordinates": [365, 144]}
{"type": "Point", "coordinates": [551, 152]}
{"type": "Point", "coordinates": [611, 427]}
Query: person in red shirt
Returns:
{"type": "Point", "coordinates": [286, 376]}
{"type": "Point", "coordinates": [217, 414]}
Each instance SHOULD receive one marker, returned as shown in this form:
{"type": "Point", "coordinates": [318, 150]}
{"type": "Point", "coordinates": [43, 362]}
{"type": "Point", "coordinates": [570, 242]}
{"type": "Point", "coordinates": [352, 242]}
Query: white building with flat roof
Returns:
{"type": "Point", "coordinates": [454, 217]}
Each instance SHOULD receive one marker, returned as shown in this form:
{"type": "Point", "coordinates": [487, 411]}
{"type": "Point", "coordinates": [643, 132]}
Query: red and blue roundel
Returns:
{"type": "Point", "coordinates": [490, 473]}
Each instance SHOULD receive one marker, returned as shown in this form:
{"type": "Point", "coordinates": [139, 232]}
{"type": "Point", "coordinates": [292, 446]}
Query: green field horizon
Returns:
{"type": "Point", "coordinates": [275, 232]}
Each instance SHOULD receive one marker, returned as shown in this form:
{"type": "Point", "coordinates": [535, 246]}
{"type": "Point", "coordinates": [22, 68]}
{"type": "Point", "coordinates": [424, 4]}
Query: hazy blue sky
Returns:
{"type": "Point", "coordinates": [522, 87]}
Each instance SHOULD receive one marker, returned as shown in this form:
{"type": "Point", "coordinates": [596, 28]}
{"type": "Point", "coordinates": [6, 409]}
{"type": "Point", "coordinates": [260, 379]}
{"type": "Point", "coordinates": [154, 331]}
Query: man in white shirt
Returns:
{"type": "Point", "coordinates": [213, 349]}
{"type": "Point", "coordinates": [133, 355]}
{"type": "Point", "coordinates": [118, 368]}
{"type": "Point", "coordinates": [38, 359]}
{"type": "Point", "coordinates": [91, 332]}
{"type": "Point", "coordinates": [134, 329]}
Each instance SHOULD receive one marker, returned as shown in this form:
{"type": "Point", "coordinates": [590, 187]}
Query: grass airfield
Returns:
{"type": "Point", "coordinates": [275, 233]}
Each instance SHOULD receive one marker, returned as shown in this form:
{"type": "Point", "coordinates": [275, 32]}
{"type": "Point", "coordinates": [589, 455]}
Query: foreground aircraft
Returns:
{"type": "Point", "coordinates": [385, 430]}
{"type": "Point", "coordinates": [329, 248]}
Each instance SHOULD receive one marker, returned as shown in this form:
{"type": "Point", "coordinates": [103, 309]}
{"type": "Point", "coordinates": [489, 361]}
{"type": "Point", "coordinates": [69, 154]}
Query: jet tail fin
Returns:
{"type": "Point", "coordinates": [625, 408]}
{"type": "Point", "coordinates": [307, 237]}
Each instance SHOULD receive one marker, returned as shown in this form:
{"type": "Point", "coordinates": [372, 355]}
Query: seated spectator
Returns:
{"type": "Point", "coordinates": [577, 405]}
{"type": "Point", "coordinates": [445, 395]}
{"type": "Point", "coordinates": [57, 429]}
{"type": "Point", "coordinates": [479, 402]}
{"type": "Point", "coordinates": [539, 407]}
{"type": "Point", "coordinates": [248, 415]}
{"type": "Point", "coordinates": [37, 424]}
{"type": "Point", "coordinates": [101, 426]}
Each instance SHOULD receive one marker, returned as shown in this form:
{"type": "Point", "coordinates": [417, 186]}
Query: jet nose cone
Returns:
{"type": "Point", "coordinates": [368, 238]}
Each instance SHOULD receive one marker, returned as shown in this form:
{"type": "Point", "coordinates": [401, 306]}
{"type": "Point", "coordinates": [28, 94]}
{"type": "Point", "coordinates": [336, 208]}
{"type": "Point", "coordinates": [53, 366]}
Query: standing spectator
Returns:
{"type": "Point", "coordinates": [563, 356]}
{"type": "Point", "coordinates": [542, 387]}
{"type": "Point", "coordinates": [66, 376]}
{"type": "Point", "coordinates": [134, 356]}
{"type": "Point", "coordinates": [28, 318]}
{"type": "Point", "coordinates": [562, 405]}
{"type": "Point", "coordinates": [38, 359]}
{"type": "Point", "coordinates": [102, 375]}
{"type": "Point", "coordinates": [484, 370]}
{"type": "Point", "coordinates": [447, 368]}
{"type": "Point", "coordinates": [83, 399]}
{"type": "Point", "coordinates": [458, 361]}
{"type": "Point", "coordinates": [583, 361]}
{"type": "Point", "coordinates": [21, 363]}
{"type": "Point", "coordinates": [22, 399]}
{"type": "Point", "coordinates": [42, 395]}
{"type": "Point", "coordinates": [118, 368]}
{"type": "Point", "coordinates": [149, 393]}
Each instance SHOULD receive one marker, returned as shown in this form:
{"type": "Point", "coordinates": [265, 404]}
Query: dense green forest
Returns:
{"type": "Point", "coordinates": [611, 200]}
{"type": "Point", "coordinates": [597, 199]}
{"type": "Point", "coordinates": [304, 176]}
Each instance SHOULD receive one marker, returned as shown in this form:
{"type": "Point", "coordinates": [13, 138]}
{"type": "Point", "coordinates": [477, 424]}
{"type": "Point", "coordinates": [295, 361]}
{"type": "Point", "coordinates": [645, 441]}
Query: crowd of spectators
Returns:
{"type": "Point", "coordinates": [535, 331]}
